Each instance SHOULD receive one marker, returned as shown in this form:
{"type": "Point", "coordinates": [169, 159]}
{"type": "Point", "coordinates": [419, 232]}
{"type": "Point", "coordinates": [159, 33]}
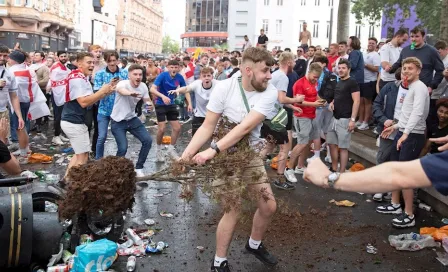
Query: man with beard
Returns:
{"type": "Point", "coordinates": [166, 109]}
{"type": "Point", "coordinates": [390, 53]}
{"type": "Point", "coordinates": [245, 101]}
{"type": "Point", "coordinates": [43, 76]}
{"type": "Point", "coordinates": [92, 111]}
{"type": "Point", "coordinates": [202, 88]}
{"type": "Point", "coordinates": [124, 118]}
{"type": "Point", "coordinates": [57, 87]}
{"type": "Point", "coordinates": [79, 97]}
{"type": "Point", "coordinates": [8, 90]}
{"type": "Point", "coordinates": [111, 73]}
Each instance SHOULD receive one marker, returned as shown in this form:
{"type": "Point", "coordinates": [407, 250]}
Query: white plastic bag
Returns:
{"type": "Point", "coordinates": [412, 241]}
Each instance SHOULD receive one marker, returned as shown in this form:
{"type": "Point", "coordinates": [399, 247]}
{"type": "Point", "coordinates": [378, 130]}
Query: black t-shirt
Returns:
{"type": "Point", "coordinates": [262, 39]}
{"type": "Point", "coordinates": [5, 155]}
{"type": "Point", "coordinates": [343, 101]}
{"type": "Point", "coordinates": [293, 77]}
{"type": "Point", "coordinates": [436, 132]}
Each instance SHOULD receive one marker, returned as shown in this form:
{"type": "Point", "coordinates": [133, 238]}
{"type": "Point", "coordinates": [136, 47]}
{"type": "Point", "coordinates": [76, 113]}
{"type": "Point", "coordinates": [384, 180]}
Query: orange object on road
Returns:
{"type": "Point", "coordinates": [437, 234]}
{"type": "Point", "coordinates": [166, 140]}
{"type": "Point", "coordinates": [39, 158]}
{"type": "Point", "coordinates": [357, 167]}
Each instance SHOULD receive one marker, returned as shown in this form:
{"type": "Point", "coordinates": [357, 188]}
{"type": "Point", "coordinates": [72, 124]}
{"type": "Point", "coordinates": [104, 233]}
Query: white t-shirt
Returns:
{"type": "Point", "coordinates": [124, 106]}
{"type": "Point", "coordinates": [10, 87]}
{"type": "Point", "coordinates": [372, 58]}
{"type": "Point", "coordinates": [336, 63]}
{"type": "Point", "coordinates": [402, 92]}
{"type": "Point", "coordinates": [280, 81]}
{"type": "Point", "coordinates": [445, 61]}
{"type": "Point", "coordinates": [391, 54]}
{"type": "Point", "coordinates": [202, 96]}
{"type": "Point", "coordinates": [226, 99]}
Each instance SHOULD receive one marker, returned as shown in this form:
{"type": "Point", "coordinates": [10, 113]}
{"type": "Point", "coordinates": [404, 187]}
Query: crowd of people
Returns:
{"type": "Point", "coordinates": [311, 101]}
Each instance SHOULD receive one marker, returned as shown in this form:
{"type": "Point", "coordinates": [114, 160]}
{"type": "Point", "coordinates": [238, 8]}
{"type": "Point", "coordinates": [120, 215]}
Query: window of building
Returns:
{"type": "Point", "coordinates": [79, 17]}
{"type": "Point", "coordinates": [266, 2]}
{"type": "Point", "coordinates": [18, 2]}
{"type": "Point", "coordinates": [371, 30]}
{"type": "Point", "coordinates": [303, 2]}
{"type": "Point", "coordinates": [330, 3]}
{"type": "Point", "coordinates": [242, 12]}
{"type": "Point", "coordinates": [266, 26]}
{"type": "Point", "coordinates": [328, 30]}
{"type": "Point", "coordinates": [241, 24]}
{"type": "Point", "coordinates": [28, 3]}
{"type": "Point", "coordinates": [317, 2]}
{"type": "Point", "coordinates": [278, 26]}
{"type": "Point", "coordinates": [315, 29]}
{"type": "Point", "coordinates": [44, 5]}
{"type": "Point", "coordinates": [279, 2]}
{"type": "Point", "coordinates": [358, 31]}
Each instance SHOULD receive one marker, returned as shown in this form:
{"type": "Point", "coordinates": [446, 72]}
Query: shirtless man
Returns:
{"type": "Point", "coordinates": [304, 37]}
{"type": "Point", "coordinates": [151, 72]}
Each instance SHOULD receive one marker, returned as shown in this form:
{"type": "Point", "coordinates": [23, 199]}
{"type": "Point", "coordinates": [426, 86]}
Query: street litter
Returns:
{"type": "Point", "coordinates": [145, 234]}
{"type": "Point", "coordinates": [442, 257]}
{"type": "Point", "coordinates": [344, 203]}
{"type": "Point", "coordinates": [95, 256]}
{"type": "Point", "coordinates": [56, 257]}
{"type": "Point", "coordinates": [412, 241]}
{"type": "Point", "coordinates": [437, 233]}
{"type": "Point", "coordinates": [68, 150]}
{"type": "Point", "coordinates": [39, 158]}
{"type": "Point", "coordinates": [445, 220]}
{"type": "Point", "coordinates": [423, 206]}
{"type": "Point", "coordinates": [130, 265]}
{"type": "Point", "coordinates": [155, 248]}
{"type": "Point", "coordinates": [149, 222]}
{"type": "Point", "coordinates": [134, 237]}
{"type": "Point", "coordinates": [201, 248]}
{"type": "Point", "coordinates": [165, 214]}
{"type": "Point", "coordinates": [159, 195]}
{"type": "Point", "coordinates": [445, 244]}
{"type": "Point", "coordinates": [50, 207]}
{"type": "Point", "coordinates": [28, 174]}
{"type": "Point", "coordinates": [357, 167]}
{"type": "Point", "coordinates": [371, 249]}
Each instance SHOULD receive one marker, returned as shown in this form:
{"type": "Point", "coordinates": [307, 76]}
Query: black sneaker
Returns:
{"type": "Point", "coordinates": [389, 209]}
{"type": "Point", "coordinates": [224, 267]}
{"type": "Point", "coordinates": [283, 184]}
{"type": "Point", "coordinates": [403, 221]}
{"type": "Point", "coordinates": [262, 254]}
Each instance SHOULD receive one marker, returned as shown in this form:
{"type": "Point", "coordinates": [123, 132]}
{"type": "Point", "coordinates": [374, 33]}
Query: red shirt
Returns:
{"type": "Point", "coordinates": [331, 60]}
{"type": "Point", "coordinates": [303, 86]}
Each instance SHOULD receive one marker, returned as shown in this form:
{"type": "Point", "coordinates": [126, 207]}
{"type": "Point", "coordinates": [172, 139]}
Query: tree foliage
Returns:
{"type": "Point", "coordinates": [428, 11]}
{"type": "Point", "coordinates": [170, 46]}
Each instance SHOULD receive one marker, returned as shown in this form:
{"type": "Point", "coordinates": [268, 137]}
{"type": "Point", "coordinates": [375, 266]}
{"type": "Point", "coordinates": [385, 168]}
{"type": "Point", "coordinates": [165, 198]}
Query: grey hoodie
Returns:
{"type": "Point", "coordinates": [415, 109]}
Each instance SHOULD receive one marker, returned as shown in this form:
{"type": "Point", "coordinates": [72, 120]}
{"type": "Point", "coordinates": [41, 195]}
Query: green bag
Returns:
{"type": "Point", "coordinates": [278, 122]}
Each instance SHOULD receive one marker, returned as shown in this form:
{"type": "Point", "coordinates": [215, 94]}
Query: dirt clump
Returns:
{"type": "Point", "coordinates": [106, 186]}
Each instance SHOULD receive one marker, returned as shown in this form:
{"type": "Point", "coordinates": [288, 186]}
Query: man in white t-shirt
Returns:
{"type": "Point", "coordinates": [124, 118]}
{"type": "Point", "coordinates": [280, 81]}
{"type": "Point", "coordinates": [343, 49]}
{"type": "Point", "coordinates": [390, 53]}
{"type": "Point", "coordinates": [202, 88]}
{"type": "Point", "coordinates": [372, 64]}
{"type": "Point", "coordinates": [226, 101]}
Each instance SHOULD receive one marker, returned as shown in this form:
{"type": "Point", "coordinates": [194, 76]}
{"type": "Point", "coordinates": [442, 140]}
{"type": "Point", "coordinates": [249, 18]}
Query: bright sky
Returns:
{"type": "Point", "coordinates": [174, 18]}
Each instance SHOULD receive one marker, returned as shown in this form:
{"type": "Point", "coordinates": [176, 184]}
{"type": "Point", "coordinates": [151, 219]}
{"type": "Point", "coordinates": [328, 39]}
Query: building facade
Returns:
{"type": "Point", "coordinates": [282, 21]}
{"type": "Point", "coordinates": [37, 24]}
{"type": "Point", "coordinates": [139, 27]}
{"type": "Point", "coordinates": [206, 23]}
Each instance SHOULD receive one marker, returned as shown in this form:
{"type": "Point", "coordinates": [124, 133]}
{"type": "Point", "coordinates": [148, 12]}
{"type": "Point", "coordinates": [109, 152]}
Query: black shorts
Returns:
{"type": "Point", "coordinates": [196, 124]}
{"type": "Point", "coordinates": [410, 149]}
{"type": "Point", "coordinates": [368, 90]}
{"type": "Point", "coordinates": [167, 113]}
{"type": "Point", "coordinates": [289, 124]}
{"type": "Point", "coordinates": [273, 136]}
{"type": "Point", "coordinates": [383, 83]}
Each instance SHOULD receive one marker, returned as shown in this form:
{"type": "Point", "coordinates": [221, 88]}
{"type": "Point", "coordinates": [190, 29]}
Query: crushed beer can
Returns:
{"type": "Point", "coordinates": [371, 249]}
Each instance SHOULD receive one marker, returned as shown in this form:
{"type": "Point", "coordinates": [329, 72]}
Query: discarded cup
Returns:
{"type": "Point", "coordinates": [155, 248]}
{"type": "Point", "coordinates": [201, 248]}
{"type": "Point", "coordinates": [423, 206]}
{"type": "Point", "coordinates": [126, 244]}
{"type": "Point", "coordinates": [134, 237]}
{"type": "Point", "coordinates": [445, 220]}
{"type": "Point", "coordinates": [58, 268]}
{"type": "Point", "coordinates": [371, 249]}
{"type": "Point", "coordinates": [130, 265]}
{"type": "Point", "coordinates": [149, 222]}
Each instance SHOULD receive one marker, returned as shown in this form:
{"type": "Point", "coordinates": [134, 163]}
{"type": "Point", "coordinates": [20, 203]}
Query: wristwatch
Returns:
{"type": "Point", "coordinates": [353, 119]}
{"type": "Point", "coordinates": [332, 178]}
{"type": "Point", "coordinates": [215, 147]}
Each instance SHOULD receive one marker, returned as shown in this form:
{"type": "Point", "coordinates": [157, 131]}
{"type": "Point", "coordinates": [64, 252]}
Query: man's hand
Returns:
{"type": "Point", "coordinates": [174, 92]}
{"type": "Point", "coordinates": [297, 109]}
{"type": "Point", "coordinates": [429, 90]}
{"type": "Point", "coordinates": [166, 100]}
{"type": "Point", "coordinates": [189, 108]}
{"type": "Point", "coordinates": [107, 88]}
{"type": "Point", "coordinates": [2, 83]}
{"type": "Point", "coordinates": [387, 132]}
{"type": "Point", "coordinates": [134, 94]}
{"type": "Point", "coordinates": [351, 126]}
{"type": "Point", "coordinates": [388, 67]}
{"type": "Point", "coordinates": [299, 98]}
{"type": "Point", "coordinates": [204, 156]}
{"type": "Point", "coordinates": [441, 140]}
{"type": "Point", "coordinates": [401, 140]}
{"type": "Point", "coordinates": [4, 129]}
{"type": "Point", "coordinates": [445, 72]}
{"type": "Point", "coordinates": [317, 172]}
{"type": "Point", "coordinates": [388, 123]}
{"type": "Point", "coordinates": [21, 124]}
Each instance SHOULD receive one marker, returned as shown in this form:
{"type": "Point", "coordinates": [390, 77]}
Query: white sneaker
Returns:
{"type": "Point", "coordinates": [378, 197]}
{"type": "Point", "coordinates": [290, 176]}
{"type": "Point", "coordinates": [312, 158]}
{"type": "Point", "coordinates": [294, 135]}
{"type": "Point", "coordinates": [171, 152]}
{"type": "Point", "coordinates": [328, 159]}
{"type": "Point", "coordinates": [13, 146]}
{"type": "Point", "coordinates": [363, 126]}
{"type": "Point", "coordinates": [139, 173]}
{"type": "Point", "coordinates": [57, 140]}
{"type": "Point", "coordinates": [160, 155]}
{"type": "Point", "coordinates": [64, 139]}
{"type": "Point", "coordinates": [299, 171]}
{"type": "Point", "coordinates": [16, 153]}
{"type": "Point", "coordinates": [358, 123]}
